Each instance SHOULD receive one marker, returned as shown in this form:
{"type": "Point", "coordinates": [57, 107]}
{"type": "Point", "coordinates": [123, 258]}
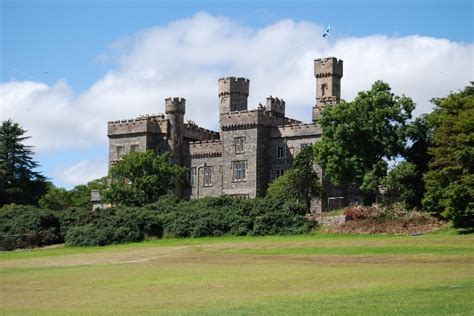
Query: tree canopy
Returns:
{"type": "Point", "coordinates": [300, 183]}
{"type": "Point", "coordinates": [450, 179]}
{"type": "Point", "coordinates": [359, 137]}
{"type": "Point", "coordinates": [19, 182]}
{"type": "Point", "coordinates": [142, 177]}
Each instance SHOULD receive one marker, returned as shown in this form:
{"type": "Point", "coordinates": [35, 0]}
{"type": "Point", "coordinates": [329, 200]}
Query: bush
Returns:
{"type": "Point", "coordinates": [114, 225]}
{"type": "Point", "coordinates": [230, 216]}
{"type": "Point", "coordinates": [23, 226]}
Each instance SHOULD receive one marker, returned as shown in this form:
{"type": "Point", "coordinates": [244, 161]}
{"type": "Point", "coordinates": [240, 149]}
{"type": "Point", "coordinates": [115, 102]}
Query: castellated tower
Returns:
{"type": "Point", "coordinates": [174, 110]}
{"type": "Point", "coordinates": [233, 94]}
{"type": "Point", "coordinates": [328, 73]}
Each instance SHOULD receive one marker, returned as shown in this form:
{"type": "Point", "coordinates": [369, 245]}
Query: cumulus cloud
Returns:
{"type": "Point", "coordinates": [186, 57]}
{"type": "Point", "coordinates": [83, 171]}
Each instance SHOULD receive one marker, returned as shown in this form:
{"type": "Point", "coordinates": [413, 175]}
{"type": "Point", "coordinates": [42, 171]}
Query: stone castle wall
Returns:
{"type": "Point", "coordinates": [268, 140]}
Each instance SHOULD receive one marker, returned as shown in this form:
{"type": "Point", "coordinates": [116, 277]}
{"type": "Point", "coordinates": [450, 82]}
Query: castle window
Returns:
{"type": "Point", "coordinates": [280, 172]}
{"type": "Point", "coordinates": [239, 144]}
{"type": "Point", "coordinates": [120, 152]}
{"type": "Point", "coordinates": [193, 176]}
{"type": "Point", "coordinates": [239, 170]}
{"type": "Point", "coordinates": [324, 86]}
{"type": "Point", "coordinates": [280, 152]}
{"type": "Point", "coordinates": [208, 172]}
{"type": "Point", "coordinates": [134, 148]}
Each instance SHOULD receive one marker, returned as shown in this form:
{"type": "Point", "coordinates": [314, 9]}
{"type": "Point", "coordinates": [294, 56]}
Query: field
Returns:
{"type": "Point", "coordinates": [294, 275]}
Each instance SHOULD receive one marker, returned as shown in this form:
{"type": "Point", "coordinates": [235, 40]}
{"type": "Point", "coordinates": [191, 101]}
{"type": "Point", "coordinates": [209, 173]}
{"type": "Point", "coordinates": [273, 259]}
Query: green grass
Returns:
{"type": "Point", "coordinates": [292, 275]}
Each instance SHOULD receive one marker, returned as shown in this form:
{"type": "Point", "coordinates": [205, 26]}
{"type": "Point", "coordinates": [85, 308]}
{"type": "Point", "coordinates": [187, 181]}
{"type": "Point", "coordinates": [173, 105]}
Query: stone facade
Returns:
{"type": "Point", "coordinates": [252, 149]}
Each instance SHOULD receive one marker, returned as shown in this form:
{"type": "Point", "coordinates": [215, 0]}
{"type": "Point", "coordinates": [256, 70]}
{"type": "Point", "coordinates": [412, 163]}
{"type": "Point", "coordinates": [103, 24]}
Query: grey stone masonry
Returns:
{"type": "Point", "coordinates": [328, 72]}
{"type": "Point", "coordinates": [252, 148]}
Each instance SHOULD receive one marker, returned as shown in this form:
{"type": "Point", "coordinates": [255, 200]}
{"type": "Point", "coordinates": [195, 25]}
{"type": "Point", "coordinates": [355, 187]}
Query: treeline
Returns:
{"type": "Point", "coordinates": [29, 226]}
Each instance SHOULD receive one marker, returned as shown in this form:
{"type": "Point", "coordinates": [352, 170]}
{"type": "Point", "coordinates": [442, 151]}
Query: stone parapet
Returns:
{"type": "Point", "coordinates": [253, 118]}
{"type": "Point", "coordinates": [196, 133]}
{"type": "Point", "coordinates": [328, 67]}
{"type": "Point", "coordinates": [139, 125]}
{"type": "Point", "coordinates": [206, 149]}
{"type": "Point", "coordinates": [296, 130]}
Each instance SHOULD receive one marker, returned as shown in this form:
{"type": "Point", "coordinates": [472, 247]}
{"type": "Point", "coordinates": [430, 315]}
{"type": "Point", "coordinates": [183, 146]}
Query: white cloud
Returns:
{"type": "Point", "coordinates": [186, 57]}
{"type": "Point", "coordinates": [83, 171]}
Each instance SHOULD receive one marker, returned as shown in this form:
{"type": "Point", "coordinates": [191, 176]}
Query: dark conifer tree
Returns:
{"type": "Point", "coordinates": [19, 182]}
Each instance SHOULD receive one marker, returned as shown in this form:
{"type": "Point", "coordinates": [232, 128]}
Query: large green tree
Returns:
{"type": "Point", "coordinates": [142, 177]}
{"type": "Point", "coordinates": [450, 179]}
{"type": "Point", "coordinates": [300, 182]}
{"type": "Point", "coordinates": [19, 182]}
{"type": "Point", "coordinates": [359, 137]}
{"type": "Point", "coordinates": [406, 178]}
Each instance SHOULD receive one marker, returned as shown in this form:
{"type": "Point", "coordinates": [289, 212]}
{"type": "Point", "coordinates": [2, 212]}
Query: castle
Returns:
{"type": "Point", "coordinates": [252, 148]}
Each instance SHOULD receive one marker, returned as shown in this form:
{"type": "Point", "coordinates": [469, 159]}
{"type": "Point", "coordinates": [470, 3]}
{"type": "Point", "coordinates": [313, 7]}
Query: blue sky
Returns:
{"type": "Point", "coordinates": [64, 64]}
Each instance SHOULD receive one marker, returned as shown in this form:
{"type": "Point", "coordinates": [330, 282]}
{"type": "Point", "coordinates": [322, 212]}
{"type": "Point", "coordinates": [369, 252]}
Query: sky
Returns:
{"type": "Point", "coordinates": [68, 67]}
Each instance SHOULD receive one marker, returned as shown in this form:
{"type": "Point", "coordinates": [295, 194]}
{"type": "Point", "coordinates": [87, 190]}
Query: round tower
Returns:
{"type": "Point", "coordinates": [233, 94]}
{"type": "Point", "coordinates": [174, 110]}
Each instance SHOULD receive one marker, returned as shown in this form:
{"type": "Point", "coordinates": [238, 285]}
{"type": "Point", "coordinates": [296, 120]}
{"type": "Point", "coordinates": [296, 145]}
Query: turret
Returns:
{"type": "Point", "coordinates": [233, 94]}
{"type": "Point", "coordinates": [328, 72]}
{"type": "Point", "coordinates": [174, 110]}
{"type": "Point", "coordinates": [275, 105]}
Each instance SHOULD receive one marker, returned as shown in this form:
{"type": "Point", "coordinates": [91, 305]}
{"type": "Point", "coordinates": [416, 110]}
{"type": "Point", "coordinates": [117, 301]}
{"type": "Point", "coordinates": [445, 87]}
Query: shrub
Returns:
{"type": "Point", "coordinates": [23, 226]}
{"type": "Point", "coordinates": [114, 225]}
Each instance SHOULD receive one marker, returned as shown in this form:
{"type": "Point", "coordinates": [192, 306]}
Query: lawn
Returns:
{"type": "Point", "coordinates": [293, 275]}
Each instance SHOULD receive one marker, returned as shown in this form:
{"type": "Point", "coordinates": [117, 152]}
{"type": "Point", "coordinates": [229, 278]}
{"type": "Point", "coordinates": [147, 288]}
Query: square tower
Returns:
{"type": "Point", "coordinates": [233, 94]}
{"type": "Point", "coordinates": [328, 73]}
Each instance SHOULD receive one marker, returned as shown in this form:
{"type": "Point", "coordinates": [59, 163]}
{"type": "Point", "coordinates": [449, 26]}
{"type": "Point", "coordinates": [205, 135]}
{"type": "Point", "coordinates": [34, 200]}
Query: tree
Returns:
{"type": "Point", "coordinates": [450, 179]}
{"type": "Point", "coordinates": [142, 177]}
{"type": "Point", "coordinates": [406, 178]}
{"type": "Point", "coordinates": [19, 183]}
{"type": "Point", "coordinates": [359, 137]}
{"type": "Point", "coordinates": [79, 196]}
{"type": "Point", "coordinates": [300, 183]}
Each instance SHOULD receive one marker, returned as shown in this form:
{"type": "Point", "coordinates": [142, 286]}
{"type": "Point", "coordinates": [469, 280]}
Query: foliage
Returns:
{"type": "Point", "coordinates": [405, 180]}
{"type": "Point", "coordinates": [19, 183]}
{"type": "Point", "coordinates": [79, 196]}
{"type": "Point", "coordinates": [358, 137]}
{"type": "Point", "coordinates": [23, 226]}
{"type": "Point", "coordinates": [450, 179]}
{"type": "Point", "coordinates": [231, 216]}
{"type": "Point", "coordinates": [407, 177]}
{"type": "Point", "coordinates": [300, 183]}
{"type": "Point", "coordinates": [55, 199]}
{"type": "Point", "coordinates": [142, 177]}
{"type": "Point", "coordinates": [114, 225]}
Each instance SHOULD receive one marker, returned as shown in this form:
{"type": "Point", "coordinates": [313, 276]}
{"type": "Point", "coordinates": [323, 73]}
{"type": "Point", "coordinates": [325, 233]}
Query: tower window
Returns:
{"type": "Point", "coordinates": [324, 86]}
{"type": "Point", "coordinates": [239, 169]}
{"type": "Point", "coordinates": [193, 176]}
{"type": "Point", "coordinates": [280, 152]}
{"type": "Point", "coordinates": [119, 151]}
{"type": "Point", "coordinates": [280, 172]}
{"type": "Point", "coordinates": [208, 172]}
{"type": "Point", "coordinates": [239, 145]}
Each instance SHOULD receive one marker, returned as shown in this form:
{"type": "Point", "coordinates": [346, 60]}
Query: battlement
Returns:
{"type": "Point", "coordinates": [205, 149]}
{"type": "Point", "coordinates": [175, 105]}
{"type": "Point", "coordinates": [327, 67]}
{"type": "Point", "coordinates": [297, 130]}
{"type": "Point", "coordinates": [233, 85]}
{"type": "Point", "coordinates": [275, 105]}
{"type": "Point", "coordinates": [193, 132]}
{"type": "Point", "coordinates": [155, 123]}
